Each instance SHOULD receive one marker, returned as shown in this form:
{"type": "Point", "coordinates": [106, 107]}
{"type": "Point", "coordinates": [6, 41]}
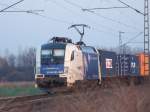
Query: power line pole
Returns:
{"type": "Point", "coordinates": [120, 42]}
{"type": "Point", "coordinates": [146, 39]}
{"type": "Point", "coordinates": [121, 65]}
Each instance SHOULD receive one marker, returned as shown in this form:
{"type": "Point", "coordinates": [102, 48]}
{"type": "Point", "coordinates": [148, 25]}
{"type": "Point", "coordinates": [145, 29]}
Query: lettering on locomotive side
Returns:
{"type": "Point", "coordinates": [50, 68]}
{"type": "Point", "coordinates": [54, 72]}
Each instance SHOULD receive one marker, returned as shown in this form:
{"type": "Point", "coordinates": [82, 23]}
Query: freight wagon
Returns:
{"type": "Point", "coordinates": [107, 63]}
{"type": "Point", "coordinates": [127, 65]}
{"type": "Point", "coordinates": [63, 63]}
{"type": "Point", "coordinates": [142, 72]}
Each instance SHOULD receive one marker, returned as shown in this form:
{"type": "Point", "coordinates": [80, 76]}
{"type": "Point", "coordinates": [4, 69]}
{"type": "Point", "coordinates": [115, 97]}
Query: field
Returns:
{"type": "Point", "coordinates": [115, 99]}
{"type": "Point", "coordinates": [18, 89]}
{"type": "Point", "coordinates": [124, 99]}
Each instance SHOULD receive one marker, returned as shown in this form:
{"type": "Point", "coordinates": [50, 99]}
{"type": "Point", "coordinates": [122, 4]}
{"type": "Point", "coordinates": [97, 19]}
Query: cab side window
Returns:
{"type": "Point", "coordinates": [72, 56]}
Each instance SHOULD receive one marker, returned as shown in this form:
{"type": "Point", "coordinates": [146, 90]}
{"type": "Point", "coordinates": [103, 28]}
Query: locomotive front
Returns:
{"type": "Point", "coordinates": [52, 56]}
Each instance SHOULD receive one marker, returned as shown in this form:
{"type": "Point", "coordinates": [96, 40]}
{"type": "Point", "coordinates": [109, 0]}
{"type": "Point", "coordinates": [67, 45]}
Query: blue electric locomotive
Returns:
{"type": "Point", "coordinates": [62, 62]}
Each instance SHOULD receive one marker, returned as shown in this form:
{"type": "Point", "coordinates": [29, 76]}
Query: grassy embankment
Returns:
{"type": "Point", "coordinates": [18, 89]}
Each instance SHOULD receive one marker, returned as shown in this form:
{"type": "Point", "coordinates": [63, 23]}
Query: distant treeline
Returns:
{"type": "Point", "coordinates": [18, 67]}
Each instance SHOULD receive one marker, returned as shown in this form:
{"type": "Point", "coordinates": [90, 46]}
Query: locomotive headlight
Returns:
{"type": "Point", "coordinates": [66, 70]}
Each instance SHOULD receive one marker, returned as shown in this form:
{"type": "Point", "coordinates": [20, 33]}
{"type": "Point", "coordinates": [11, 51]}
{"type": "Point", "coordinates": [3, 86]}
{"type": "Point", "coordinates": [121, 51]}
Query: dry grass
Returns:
{"type": "Point", "coordinates": [125, 99]}
{"type": "Point", "coordinates": [120, 99]}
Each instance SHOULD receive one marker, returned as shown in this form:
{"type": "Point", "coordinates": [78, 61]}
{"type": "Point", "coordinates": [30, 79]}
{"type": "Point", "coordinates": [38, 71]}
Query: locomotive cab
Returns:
{"type": "Point", "coordinates": [60, 64]}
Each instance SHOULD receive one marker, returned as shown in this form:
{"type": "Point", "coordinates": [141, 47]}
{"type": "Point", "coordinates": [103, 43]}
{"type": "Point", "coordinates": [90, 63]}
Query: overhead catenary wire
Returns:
{"type": "Point", "coordinates": [73, 4]}
{"type": "Point", "coordinates": [53, 19]}
{"type": "Point", "coordinates": [35, 12]}
{"type": "Point", "coordinates": [4, 4]}
{"type": "Point", "coordinates": [133, 38]}
{"type": "Point", "coordinates": [92, 9]}
{"type": "Point", "coordinates": [136, 10]}
{"type": "Point", "coordinates": [104, 8]}
{"type": "Point", "coordinates": [11, 6]}
{"type": "Point", "coordinates": [92, 27]}
{"type": "Point", "coordinates": [107, 18]}
{"type": "Point", "coordinates": [78, 6]}
{"type": "Point", "coordinates": [50, 18]}
{"type": "Point", "coordinates": [135, 43]}
{"type": "Point", "coordinates": [115, 21]}
{"type": "Point", "coordinates": [61, 6]}
{"type": "Point", "coordinates": [27, 11]}
{"type": "Point", "coordinates": [16, 10]}
{"type": "Point", "coordinates": [79, 16]}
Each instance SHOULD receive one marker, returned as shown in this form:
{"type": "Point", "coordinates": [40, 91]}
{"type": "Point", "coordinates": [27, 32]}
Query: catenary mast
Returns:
{"type": "Point", "coordinates": [146, 38]}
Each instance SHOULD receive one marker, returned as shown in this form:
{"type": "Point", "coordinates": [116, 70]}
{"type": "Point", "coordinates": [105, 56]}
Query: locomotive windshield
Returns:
{"type": "Point", "coordinates": [52, 56]}
{"type": "Point", "coordinates": [59, 52]}
{"type": "Point", "coordinates": [46, 53]}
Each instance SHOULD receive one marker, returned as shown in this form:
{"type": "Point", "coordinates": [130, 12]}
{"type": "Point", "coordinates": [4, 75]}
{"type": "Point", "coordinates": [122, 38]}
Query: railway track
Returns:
{"type": "Point", "coordinates": [7, 104]}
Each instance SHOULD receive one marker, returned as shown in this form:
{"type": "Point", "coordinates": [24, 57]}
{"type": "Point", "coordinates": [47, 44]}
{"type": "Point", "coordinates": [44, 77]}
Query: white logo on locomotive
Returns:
{"type": "Point", "coordinates": [109, 63]}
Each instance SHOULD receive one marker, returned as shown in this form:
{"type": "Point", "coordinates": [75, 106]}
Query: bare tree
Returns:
{"type": "Point", "coordinates": [11, 60]}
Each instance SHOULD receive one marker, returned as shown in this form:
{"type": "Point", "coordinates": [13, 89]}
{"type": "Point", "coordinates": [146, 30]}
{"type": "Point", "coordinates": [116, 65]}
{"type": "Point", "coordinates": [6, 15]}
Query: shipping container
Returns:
{"type": "Point", "coordinates": [122, 65]}
{"type": "Point", "coordinates": [127, 65]}
{"type": "Point", "coordinates": [141, 63]}
{"type": "Point", "coordinates": [134, 65]}
{"type": "Point", "coordinates": [107, 63]}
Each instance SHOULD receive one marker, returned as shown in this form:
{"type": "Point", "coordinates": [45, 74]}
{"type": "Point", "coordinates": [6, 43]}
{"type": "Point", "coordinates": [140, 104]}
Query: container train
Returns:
{"type": "Point", "coordinates": [63, 63]}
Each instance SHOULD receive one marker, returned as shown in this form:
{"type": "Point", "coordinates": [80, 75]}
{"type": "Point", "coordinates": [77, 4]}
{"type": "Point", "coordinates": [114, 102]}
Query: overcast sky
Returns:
{"type": "Point", "coordinates": [20, 30]}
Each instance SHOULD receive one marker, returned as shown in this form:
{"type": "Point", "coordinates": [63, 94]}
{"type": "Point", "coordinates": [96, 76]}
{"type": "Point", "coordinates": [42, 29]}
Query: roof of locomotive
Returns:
{"type": "Point", "coordinates": [54, 45]}
{"type": "Point", "coordinates": [57, 42]}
